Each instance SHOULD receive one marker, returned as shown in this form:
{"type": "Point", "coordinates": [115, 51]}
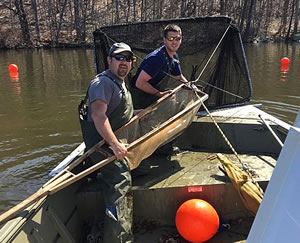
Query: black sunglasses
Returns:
{"type": "Point", "coordinates": [126, 58]}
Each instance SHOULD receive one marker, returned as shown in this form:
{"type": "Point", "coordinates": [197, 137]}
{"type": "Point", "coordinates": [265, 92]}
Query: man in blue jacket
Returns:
{"type": "Point", "coordinates": [150, 81]}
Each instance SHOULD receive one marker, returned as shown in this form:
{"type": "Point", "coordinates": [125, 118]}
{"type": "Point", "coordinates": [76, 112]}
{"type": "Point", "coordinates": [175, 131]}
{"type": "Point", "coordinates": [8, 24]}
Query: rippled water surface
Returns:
{"type": "Point", "coordinates": [38, 111]}
{"type": "Point", "coordinates": [279, 92]}
{"type": "Point", "coordinates": [39, 126]}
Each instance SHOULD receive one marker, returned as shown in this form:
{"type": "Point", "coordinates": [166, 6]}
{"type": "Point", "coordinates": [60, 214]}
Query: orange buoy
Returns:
{"type": "Point", "coordinates": [197, 221]}
{"type": "Point", "coordinates": [285, 62]}
{"type": "Point", "coordinates": [13, 68]}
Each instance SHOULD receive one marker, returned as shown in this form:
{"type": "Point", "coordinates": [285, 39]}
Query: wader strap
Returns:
{"type": "Point", "coordinates": [120, 116]}
{"type": "Point", "coordinates": [83, 106]}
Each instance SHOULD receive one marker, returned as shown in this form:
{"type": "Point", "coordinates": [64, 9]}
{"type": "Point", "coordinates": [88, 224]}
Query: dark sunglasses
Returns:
{"type": "Point", "coordinates": [126, 58]}
{"type": "Point", "coordinates": [171, 38]}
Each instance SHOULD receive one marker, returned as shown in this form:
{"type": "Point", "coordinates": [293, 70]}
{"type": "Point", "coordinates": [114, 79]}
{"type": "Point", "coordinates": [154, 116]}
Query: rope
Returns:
{"type": "Point", "coordinates": [244, 166]}
{"type": "Point", "coordinates": [223, 90]}
{"type": "Point", "coordinates": [217, 46]}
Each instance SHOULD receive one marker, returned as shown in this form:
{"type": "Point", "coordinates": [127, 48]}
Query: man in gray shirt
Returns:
{"type": "Point", "coordinates": [110, 107]}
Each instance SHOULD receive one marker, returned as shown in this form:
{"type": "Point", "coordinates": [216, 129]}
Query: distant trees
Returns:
{"type": "Point", "coordinates": [53, 22]}
{"type": "Point", "coordinates": [17, 9]}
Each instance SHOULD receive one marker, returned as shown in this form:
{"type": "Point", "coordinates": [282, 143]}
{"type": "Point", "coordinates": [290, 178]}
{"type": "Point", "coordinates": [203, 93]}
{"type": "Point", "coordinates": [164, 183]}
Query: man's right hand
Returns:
{"type": "Point", "coordinates": [120, 150]}
{"type": "Point", "coordinates": [163, 93]}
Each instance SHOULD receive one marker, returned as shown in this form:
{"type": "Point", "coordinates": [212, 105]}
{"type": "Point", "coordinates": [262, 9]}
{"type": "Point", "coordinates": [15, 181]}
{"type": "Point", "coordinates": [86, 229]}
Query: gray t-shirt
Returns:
{"type": "Point", "coordinates": [104, 88]}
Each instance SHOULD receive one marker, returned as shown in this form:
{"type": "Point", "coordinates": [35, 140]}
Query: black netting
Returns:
{"type": "Point", "coordinates": [222, 64]}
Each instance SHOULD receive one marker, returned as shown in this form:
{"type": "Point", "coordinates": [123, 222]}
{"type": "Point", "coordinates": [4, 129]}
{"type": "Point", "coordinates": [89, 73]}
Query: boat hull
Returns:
{"type": "Point", "coordinates": [68, 215]}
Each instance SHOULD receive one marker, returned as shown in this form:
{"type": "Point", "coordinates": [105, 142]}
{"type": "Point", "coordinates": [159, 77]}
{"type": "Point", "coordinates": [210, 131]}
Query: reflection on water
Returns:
{"type": "Point", "coordinates": [38, 112]}
{"type": "Point", "coordinates": [14, 77]}
{"type": "Point", "coordinates": [284, 77]}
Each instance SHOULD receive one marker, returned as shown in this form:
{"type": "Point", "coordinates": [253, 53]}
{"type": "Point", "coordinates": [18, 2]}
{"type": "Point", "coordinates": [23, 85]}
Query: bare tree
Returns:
{"type": "Point", "coordinates": [60, 20]}
{"type": "Point", "coordinates": [222, 7]}
{"type": "Point", "coordinates": [183, 8]}
{"type": "Point", "coordinates": [134, 10]}
{"type": "Point", "coordinates": [285, 12]}
{"type": "Point", "coordinates": [36, 19]}
{"type": "Point", "coordinates": [258, 15]}
{"type": "Point", "coordinates": [267, 19]}
{"type": "Point", "coordinates": [53, 21]}
{"type": "Point", "coordinates": [249, 20]}
{"type": "Point", "coordinates": [117, 12]}
{"type": "Point", "coordinates": [296, 17]}
{"type": "Point", "coordinates": [210, 7]}
{"type": "Point", "coordinates": [77, 20]}
{"type": "Point", "coordinates": [287, 37]}
{"type": "Point", "coordinates": [243, 14]}
{"type": "Point", "coordinates": [20, 11]}
{"type": "Point", "coordinates": [188, 8]}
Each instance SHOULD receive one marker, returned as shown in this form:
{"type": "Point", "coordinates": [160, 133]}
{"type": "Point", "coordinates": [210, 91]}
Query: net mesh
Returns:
{"type": "Point", "coordinates": [160, 123]}
{"type": "Point", "coordinates": [211, 54]}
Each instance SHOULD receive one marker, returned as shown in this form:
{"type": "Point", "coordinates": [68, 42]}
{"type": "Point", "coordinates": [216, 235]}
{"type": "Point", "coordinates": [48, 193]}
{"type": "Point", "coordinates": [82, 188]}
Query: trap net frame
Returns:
{"type": "Point", "coordinates": [160, 123]}
{"type": "Point", "coordinates": [212, 44]}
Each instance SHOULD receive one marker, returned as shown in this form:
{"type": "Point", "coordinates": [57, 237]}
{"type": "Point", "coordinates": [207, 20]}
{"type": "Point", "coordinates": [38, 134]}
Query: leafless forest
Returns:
{"type": "Point", "coordinates": [53, 23]}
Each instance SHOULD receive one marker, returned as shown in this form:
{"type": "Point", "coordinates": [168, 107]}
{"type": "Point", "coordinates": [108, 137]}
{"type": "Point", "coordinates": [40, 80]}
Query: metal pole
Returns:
{"type": "Point", "coordinates": [271, 130]}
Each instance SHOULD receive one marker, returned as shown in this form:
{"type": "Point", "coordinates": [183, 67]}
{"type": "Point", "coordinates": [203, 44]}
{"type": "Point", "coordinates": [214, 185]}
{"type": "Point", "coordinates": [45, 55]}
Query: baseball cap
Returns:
{"type": "Point", "coordinates": [118, 48]}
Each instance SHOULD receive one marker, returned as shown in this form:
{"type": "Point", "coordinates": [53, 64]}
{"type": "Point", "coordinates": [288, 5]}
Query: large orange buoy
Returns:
{"type": "Point", "coordinates": [13, 68]}
{"type": "Point", "coordinates": [197, 221]}
{"type": "Point", "coordinates": [285, 62]}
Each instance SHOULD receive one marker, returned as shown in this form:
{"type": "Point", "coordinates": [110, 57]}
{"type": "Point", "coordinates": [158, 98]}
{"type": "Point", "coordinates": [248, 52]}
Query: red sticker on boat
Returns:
{"type": "Point", "coordinates": [195, 189]}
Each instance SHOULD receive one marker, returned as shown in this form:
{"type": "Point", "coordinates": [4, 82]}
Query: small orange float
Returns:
{"type": "Point", "coordinates": [13, 68]}
{"type": "Point", "coordinates": [285, 62]}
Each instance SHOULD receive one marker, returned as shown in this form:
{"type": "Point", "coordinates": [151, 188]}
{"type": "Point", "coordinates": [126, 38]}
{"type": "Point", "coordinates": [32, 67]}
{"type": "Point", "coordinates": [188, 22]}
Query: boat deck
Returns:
{"type": "Point", "coordinates": [195, 173]}
{"type": "Point", "coordinates": [237, 233]}
{"type": "Point", "coordinates": [192, 168]}
{"type": "Point", "coordinates": [190, 174]}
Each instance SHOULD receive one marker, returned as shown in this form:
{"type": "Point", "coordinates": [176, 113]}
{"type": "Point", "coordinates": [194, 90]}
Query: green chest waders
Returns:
{"type": "Point", "coordinates": [115, 177]}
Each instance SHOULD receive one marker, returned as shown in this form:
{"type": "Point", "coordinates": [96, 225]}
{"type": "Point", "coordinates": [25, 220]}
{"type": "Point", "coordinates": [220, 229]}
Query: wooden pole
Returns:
{"type": "Point", "coordinates": [66, 177]}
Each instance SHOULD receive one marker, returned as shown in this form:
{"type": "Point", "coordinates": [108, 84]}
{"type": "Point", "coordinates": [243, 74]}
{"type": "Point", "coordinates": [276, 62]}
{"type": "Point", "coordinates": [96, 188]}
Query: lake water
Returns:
{"type": "Point", "coordinates": [38, 111]}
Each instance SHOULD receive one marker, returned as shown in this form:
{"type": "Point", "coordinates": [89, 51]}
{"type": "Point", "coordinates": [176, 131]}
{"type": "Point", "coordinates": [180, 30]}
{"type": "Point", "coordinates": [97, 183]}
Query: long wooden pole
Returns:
{"type": "Point", "coordinates": [47, 188]}
{"type": "Point", "coordinates": [66, 177]}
